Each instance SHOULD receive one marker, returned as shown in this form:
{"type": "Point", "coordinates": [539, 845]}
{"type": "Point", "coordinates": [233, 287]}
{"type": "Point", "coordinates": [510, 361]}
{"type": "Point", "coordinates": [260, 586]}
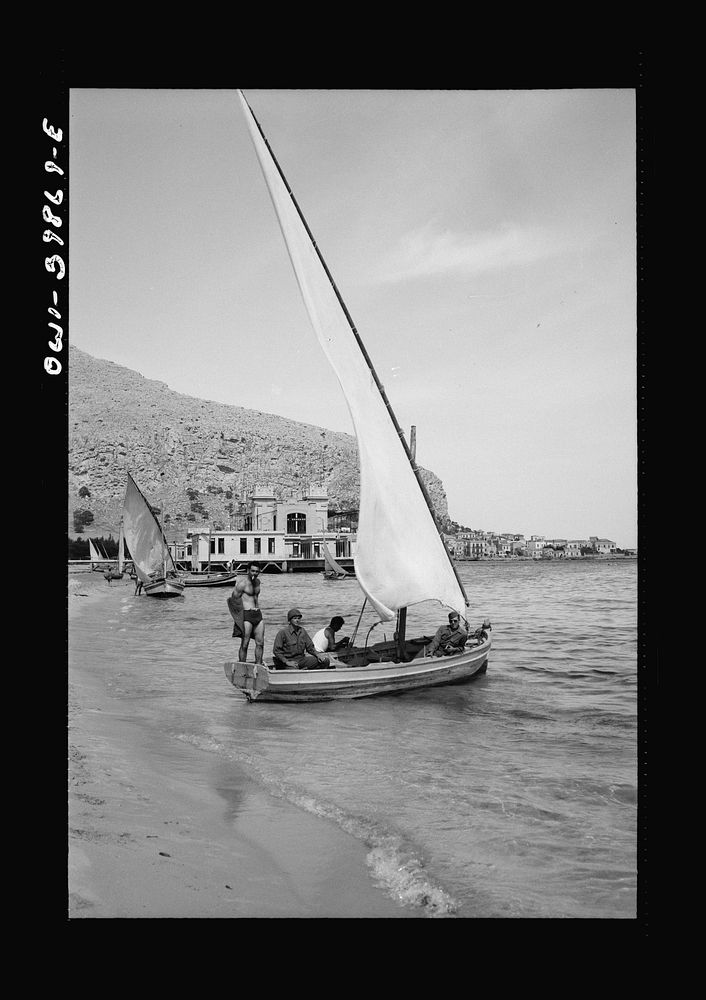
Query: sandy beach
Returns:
{"type": "Point", "coordinates": [158, 828]}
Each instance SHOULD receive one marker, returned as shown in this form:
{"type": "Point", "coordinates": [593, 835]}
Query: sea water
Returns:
{"type": "Point", "coordinates": [514, 795]}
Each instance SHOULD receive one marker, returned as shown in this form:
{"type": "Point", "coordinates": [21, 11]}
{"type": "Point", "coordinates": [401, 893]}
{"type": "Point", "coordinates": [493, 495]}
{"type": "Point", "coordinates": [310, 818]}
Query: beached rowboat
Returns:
{"type": "Point", "coordinates": [210, 580]}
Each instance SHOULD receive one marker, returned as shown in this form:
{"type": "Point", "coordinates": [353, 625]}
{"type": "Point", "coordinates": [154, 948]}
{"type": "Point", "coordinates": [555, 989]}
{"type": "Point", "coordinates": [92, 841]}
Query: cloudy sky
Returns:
{"type": "Point", "coordinates": [483, 242]}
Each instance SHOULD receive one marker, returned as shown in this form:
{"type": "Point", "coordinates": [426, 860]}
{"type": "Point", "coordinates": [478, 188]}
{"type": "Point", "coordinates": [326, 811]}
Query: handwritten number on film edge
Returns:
{"type": "Point", "coordinates": [54, 264]}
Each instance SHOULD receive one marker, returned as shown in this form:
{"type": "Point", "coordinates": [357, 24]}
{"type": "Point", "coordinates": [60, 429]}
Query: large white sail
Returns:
{"type": "Point", "coordinates": [400, 557]}
{"type": "Point", "coordinates": [144, 536]}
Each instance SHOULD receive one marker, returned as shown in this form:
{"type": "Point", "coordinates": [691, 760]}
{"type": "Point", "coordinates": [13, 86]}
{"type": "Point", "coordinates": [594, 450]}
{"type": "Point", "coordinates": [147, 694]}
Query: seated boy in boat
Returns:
{"type": "Point", "coordinates": [449, 638]}
{"type": "Point", "coordinates": [325, 639]}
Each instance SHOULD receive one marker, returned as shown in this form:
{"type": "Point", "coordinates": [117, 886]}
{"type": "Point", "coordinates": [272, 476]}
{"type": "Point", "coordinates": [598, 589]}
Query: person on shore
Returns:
{"type": "Point", "coordinates": [244, 608]}
{"type": "Point", "coordinates": [138, 586]}
{"type": "Point", "coordinates": [293, 648]}
{"type": "Point", "coordinates": [325, 639]}
{"type": "Point", "coordinates": [449, 638]}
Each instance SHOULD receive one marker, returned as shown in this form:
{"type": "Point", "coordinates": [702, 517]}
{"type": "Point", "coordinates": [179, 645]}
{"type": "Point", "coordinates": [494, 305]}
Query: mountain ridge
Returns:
{"type": "Point", "coordinates": [196, 458]}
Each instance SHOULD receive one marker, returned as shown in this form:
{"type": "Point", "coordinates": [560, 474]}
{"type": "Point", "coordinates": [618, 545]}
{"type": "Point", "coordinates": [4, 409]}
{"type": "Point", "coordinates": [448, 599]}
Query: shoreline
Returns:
{"type": "Point", "coordinates": [159, 828]}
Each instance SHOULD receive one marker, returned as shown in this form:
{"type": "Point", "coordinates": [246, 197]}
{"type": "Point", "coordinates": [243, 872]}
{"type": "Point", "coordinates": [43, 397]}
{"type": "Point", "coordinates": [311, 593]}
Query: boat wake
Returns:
{"type": "Point", "coordinates": [394, 863]}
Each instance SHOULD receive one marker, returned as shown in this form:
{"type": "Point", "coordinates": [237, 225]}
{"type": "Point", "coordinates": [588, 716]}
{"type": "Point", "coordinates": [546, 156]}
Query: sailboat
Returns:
{"type": "Point", "coordinates": [97, 560]}
{"type": "Point", "coordinates": [101, 561]}
{"type": "Point", "coordinates": [148, 547]}
{"type": "Point", "coordinates": [400, 558]}
{"type": "Point", "coordinates": [334, 570]}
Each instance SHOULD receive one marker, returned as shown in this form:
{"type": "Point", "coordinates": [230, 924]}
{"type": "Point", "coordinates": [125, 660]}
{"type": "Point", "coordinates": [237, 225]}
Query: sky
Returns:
{"type": "Point", "coordinates": [483, 242]}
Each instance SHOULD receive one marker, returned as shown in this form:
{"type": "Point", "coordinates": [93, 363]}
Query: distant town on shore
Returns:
{"type": "Point", "coordinates": [487, 544]}
{"type": "Point", "coordinates": [293, 533]}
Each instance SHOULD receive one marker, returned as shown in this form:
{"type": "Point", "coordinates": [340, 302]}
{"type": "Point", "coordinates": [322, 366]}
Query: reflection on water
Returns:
{"type": "Point", "coordinates": [514, 795]}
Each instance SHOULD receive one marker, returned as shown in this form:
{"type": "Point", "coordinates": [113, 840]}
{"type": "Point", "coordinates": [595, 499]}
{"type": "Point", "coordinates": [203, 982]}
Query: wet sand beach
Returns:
{"type": "Point", "coordinates": [158, 828]}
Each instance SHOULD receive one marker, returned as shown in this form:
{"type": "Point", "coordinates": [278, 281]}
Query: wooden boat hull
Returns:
{"type": "Point", "coordinates": [217, 580]}
{"type": "Point", "coordinates": [164, 588]}
{"type": "Point", "coordinates": [356, 680]}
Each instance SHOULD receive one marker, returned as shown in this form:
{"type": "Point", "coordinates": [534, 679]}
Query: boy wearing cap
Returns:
{"type": "Point", "coordinates": [293, 648]}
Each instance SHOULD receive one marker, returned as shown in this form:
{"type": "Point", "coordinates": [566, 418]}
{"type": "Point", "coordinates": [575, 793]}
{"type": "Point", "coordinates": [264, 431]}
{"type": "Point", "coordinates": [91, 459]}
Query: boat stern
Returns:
{"type": "Point", "coordinates": [245, 677]}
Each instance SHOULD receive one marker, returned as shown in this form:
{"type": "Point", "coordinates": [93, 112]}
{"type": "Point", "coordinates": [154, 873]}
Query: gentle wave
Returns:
{"type": "Point", "coordinates": [393, 862]}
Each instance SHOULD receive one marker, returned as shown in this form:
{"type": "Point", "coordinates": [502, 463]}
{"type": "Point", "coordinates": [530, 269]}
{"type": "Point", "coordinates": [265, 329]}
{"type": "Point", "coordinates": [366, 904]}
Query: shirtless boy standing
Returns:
{"type": "Point", "coordinates": [244, 608]}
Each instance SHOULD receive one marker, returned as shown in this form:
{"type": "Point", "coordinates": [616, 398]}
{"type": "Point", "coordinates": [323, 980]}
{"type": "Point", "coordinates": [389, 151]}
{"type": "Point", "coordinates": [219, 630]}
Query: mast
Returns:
{"type": "Point", "coordinates": [402, 613]}
{"type": "Point", "coordinates": [361, 345]}
{"type": "Point", "coordinates": [165, 548]}
{"type": "Point", "coordinates": [357, 624]}
{"type": "Point", "coordinates": [121, 546]}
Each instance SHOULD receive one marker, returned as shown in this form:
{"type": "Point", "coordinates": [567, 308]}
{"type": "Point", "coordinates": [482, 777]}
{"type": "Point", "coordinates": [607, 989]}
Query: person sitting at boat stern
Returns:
{"type": "Point", "coordinates": [325, 639]}
{"type": "Point", "coordinates": [449, 638]}
{"type": "Point", "coordinates": [293, 648]}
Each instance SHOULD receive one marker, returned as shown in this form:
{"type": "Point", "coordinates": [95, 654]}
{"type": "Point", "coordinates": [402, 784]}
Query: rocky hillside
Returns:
{"type": "Point", "coordinates": [199, 458]}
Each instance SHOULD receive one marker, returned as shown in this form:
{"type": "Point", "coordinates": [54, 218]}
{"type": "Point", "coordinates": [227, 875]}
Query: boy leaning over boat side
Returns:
{"type": "Point", "coordinates": [449, 638]}
{"type": "Point", "coordinates": [325, 639]}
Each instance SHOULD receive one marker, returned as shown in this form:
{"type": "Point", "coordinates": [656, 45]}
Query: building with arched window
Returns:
{"type": "Point", "coordinates": [284, 534]}
{"type": "Point", "coordinates": [296, 523]}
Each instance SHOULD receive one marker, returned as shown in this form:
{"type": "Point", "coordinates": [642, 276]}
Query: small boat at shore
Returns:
{"type": "Point", "coordinates": [154, 566]}
{"type": "Point", "coordinates": [210, 580]}
{"type": "Point", "coordinates": [197, 578]}
{"type": "Point", "coordinates": [395, 508]}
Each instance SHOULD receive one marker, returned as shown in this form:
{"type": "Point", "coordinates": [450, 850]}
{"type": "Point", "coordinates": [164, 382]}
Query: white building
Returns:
{"type": "Point", "coordinates": [603, 546]}
{"type": "Point", "coordinates": [287, 534]}
{"type": "Point", "coordinates": [534, 546]}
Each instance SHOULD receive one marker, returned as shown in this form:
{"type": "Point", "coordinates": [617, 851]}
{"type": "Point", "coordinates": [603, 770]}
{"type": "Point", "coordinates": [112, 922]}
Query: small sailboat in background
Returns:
{"type": "Point", "coordinates": [149, 550]}
{"type": "Point", "coordinates": [101, 561]}
{"type": "Point", "coordinates": [400, 558]}
{"type": "Point", "coordinates": [334, 570]}
{"type": "Point", "coordinates": [97, 560]}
